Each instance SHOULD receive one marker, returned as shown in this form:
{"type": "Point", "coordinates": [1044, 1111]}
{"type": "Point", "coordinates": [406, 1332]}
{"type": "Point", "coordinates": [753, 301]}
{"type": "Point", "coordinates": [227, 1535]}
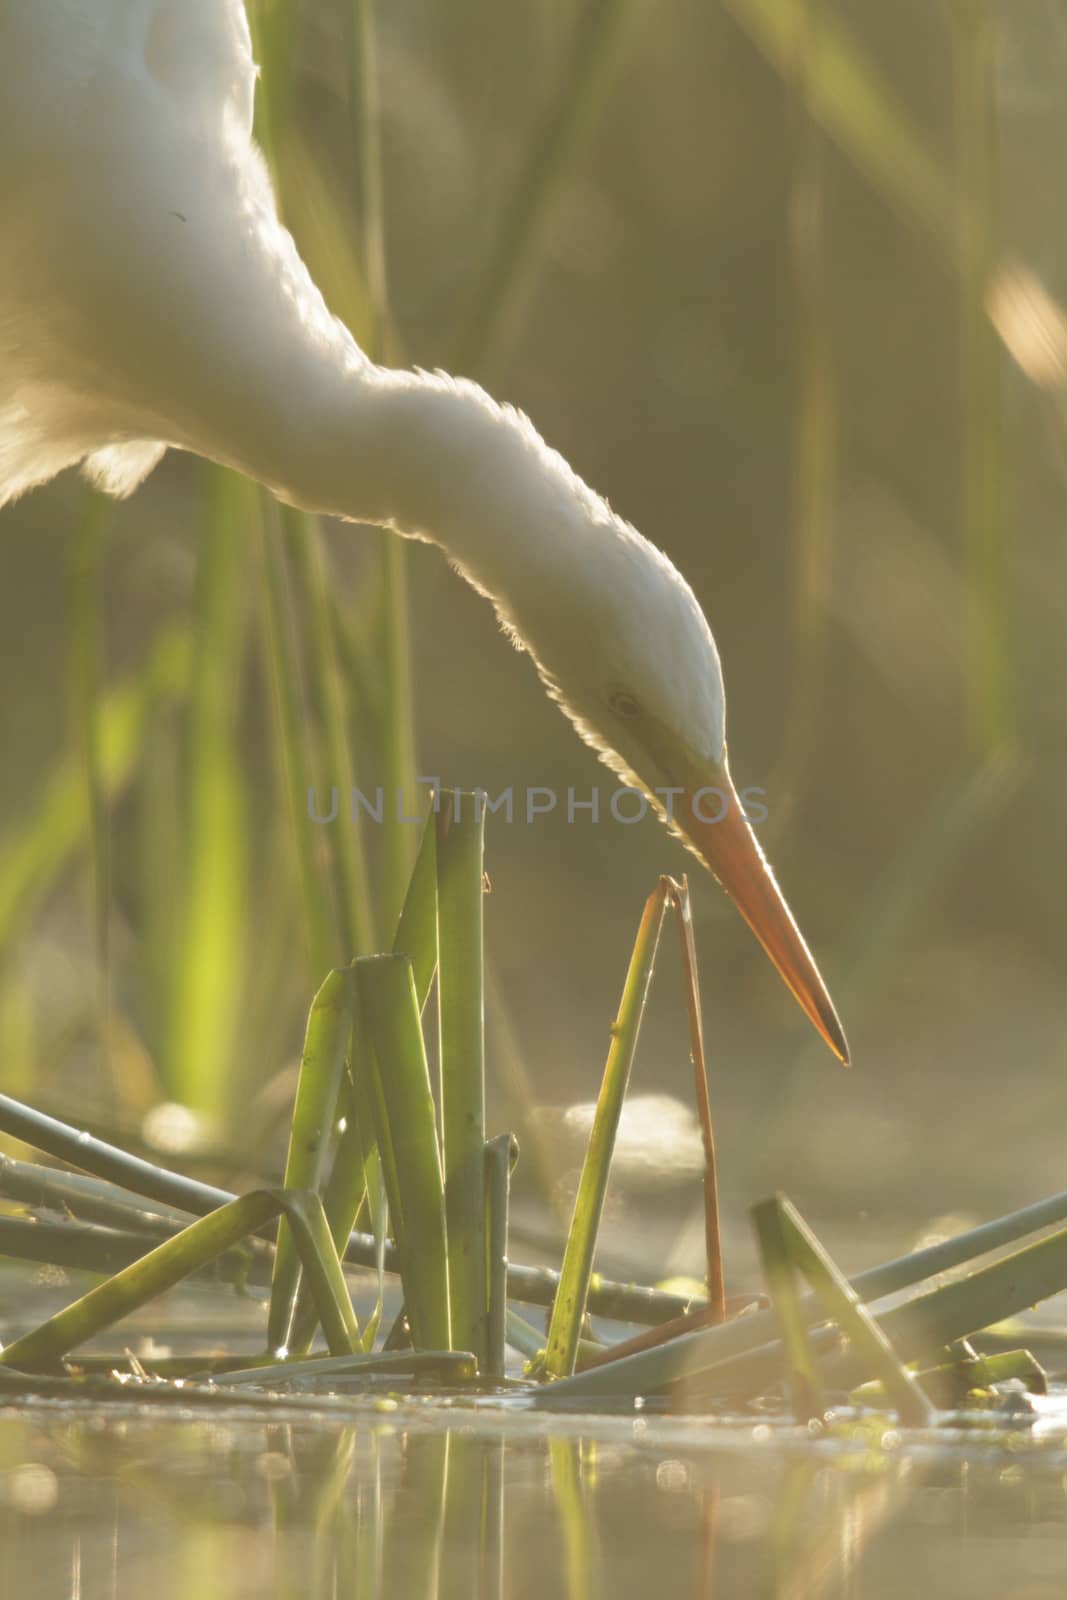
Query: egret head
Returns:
{"type": "Point", "coordinates": [627, 652]}
{"type": "Point", "coordinates": [619, 639]}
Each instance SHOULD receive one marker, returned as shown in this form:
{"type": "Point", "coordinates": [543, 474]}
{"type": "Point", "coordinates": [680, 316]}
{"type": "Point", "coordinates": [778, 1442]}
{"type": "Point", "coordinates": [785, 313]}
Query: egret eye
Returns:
{"type": "Point", "coordinates": [624, 704]}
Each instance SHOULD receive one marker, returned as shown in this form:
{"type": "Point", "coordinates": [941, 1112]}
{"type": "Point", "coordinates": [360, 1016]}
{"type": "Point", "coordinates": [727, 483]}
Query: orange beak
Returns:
{"type": "Point", "coordinates": [730, 849]}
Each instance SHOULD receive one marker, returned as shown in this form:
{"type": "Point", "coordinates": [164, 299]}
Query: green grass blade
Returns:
{"type": "Point", "coordinates": [780, 1276]}
{"type": "Point", "coordinates": [740, 1359]}
{"type": "Point", "coordinates": [951, 1385]}
{"type": "Point", "coordinates": [88, 1247]}
{"type": "Point", "coordinates": [683, 911]}
{"type": "Point", "coordinates": [322, 1267]}
{"type": "Point", "coordinates": [322, 942]}
{"type": "Point", "coordinates": [443, 1366]}
{"type": "Point", "coordinates": [1009, 1365]}
{"type": "Point", "coordinates": [87, 677]}
{"type": "Point", "coordinates": [396, 726]}
{"type": "Point", "coordinates": [352, 275]}
{"type": "Point", "coordinates": [106, 1161]}
{"type": "Point", "coordinates": [73, 1194]}
{"type": "Point", "coordinates": [538, 1285]}
{"type": "Point", "coordinates": [525, 1338]}
{"type": "Point", "coordinates": [361, 292]}
{"type": "Point", "coordinates": [779, 1224]}
{"type": "Point", "coordinates": [158, 849]}
{"type": "Point", "coordinates": [357, 1166]}
{"type": "Point", "coordinates": [189, 1250]}
{"type": "Point", "coordinates": [356, 1174]}
{"type": "Point", "coordinates": [416, 928]}
{"type": "Point", "coordinates": [989, 1294]}
{"type": "Point", "coordinates": [329, 1027]}
{"type": "Point", "coordinates": [32, 858]}
{"type": "Point", "coordinates": [623, 1302]}
{"type": "Point", "coordinates": [461, 1021]}
{"type": "Point", "coordinates": [407, 1138]}
{"type": "Point", "coordinates": [207, 962]}
{"type": "Point", "coordinates": [571, 1297]}
{"type": "Point", "coordinates": [368, 1170]}
{"type": "Point", "coordinates": [343, 1193]}
{"type": "Point", "coordinates": [501, 1154]}
{"type": "Point", "coordinates": [753, 1338]}
{"type": "Point", "coordinates": [355, 908]}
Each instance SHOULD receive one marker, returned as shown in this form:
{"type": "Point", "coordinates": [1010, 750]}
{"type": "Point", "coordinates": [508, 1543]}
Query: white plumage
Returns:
{"type": "Point", "coordinates": [149, 297]}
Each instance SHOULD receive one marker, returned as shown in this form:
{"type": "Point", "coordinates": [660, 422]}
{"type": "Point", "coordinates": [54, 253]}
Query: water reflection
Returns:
{"type": "Point", "coordinates": [102, 1506]}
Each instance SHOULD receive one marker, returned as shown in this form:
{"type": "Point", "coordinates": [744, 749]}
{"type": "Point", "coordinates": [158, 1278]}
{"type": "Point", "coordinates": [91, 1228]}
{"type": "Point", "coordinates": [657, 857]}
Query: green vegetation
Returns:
{"type": "Point", "coordinates": [365, 1047]}
{"type": "Point", "coordinates": [169, 836]}
{"type": "Point", "coordinates": [785, 281]}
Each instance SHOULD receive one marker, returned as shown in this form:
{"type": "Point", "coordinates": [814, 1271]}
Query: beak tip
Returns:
{"type": "Point", "coordinates": [828, 1026]}
{"type": "Point", "coordinates": [834, 1034]}
{"type": "Point", "coordinates": [729, 848]}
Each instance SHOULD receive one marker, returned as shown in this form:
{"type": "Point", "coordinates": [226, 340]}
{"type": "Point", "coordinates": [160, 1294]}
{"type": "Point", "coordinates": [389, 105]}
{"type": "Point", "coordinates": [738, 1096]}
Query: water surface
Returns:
{"type": "Point", "coordinates": [375, 1497]}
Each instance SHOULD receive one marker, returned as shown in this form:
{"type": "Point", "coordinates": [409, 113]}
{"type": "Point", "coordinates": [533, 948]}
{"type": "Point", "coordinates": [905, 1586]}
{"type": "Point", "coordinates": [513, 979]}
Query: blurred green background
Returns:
{"type": "Point", "coordinates": [779, 279]}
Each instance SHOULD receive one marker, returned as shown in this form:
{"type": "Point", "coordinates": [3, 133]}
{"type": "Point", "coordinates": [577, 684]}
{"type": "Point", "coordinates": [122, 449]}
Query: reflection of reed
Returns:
{"type": "Point", "coordinates": [820, 1551]}
{"type": "Point", "coordinates": [705, 1587]}
{"type": "Point", "coordinates": [409, 1507]}
{"type": "Point", "coordinates": [420, 1514]}
{"type": "Point", "coordinates": [576, 1524]}
{"type": "Point", "coordinates": [414, 1519]}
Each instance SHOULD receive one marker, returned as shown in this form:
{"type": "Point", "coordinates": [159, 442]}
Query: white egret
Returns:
{"type": "Point", "coordinates": [150, 297]}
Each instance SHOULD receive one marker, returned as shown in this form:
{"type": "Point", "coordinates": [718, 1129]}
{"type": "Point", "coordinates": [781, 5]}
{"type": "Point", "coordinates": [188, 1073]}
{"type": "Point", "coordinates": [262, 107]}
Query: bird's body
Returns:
{"type": "Point", "coordinates": [150, 297]}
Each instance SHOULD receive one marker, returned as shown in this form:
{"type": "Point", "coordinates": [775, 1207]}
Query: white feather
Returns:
{"type": "Point", "coordinates": [149, 296]}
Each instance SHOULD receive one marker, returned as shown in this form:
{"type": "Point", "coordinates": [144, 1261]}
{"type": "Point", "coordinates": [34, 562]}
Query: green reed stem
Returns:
{"type": "Point", "coordinates": [407, 1139]}
{"type": "Point", "coordinates": [207, 959]}
{"type": "Point", "coordinates": [321, 941]}
{"type": "Point", "coordinates": [329, 1027]}
{"type": "Point", "coordinates": [87, 671]}
{"type": "Point", "coordinates": [461, 1028]}
{"type": "Point", "coordinates": [570, 1303]}
{"type": "Point", "coordinates": [354, 902]}
{"type": "Point", "coordinates": [187, 1252]}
